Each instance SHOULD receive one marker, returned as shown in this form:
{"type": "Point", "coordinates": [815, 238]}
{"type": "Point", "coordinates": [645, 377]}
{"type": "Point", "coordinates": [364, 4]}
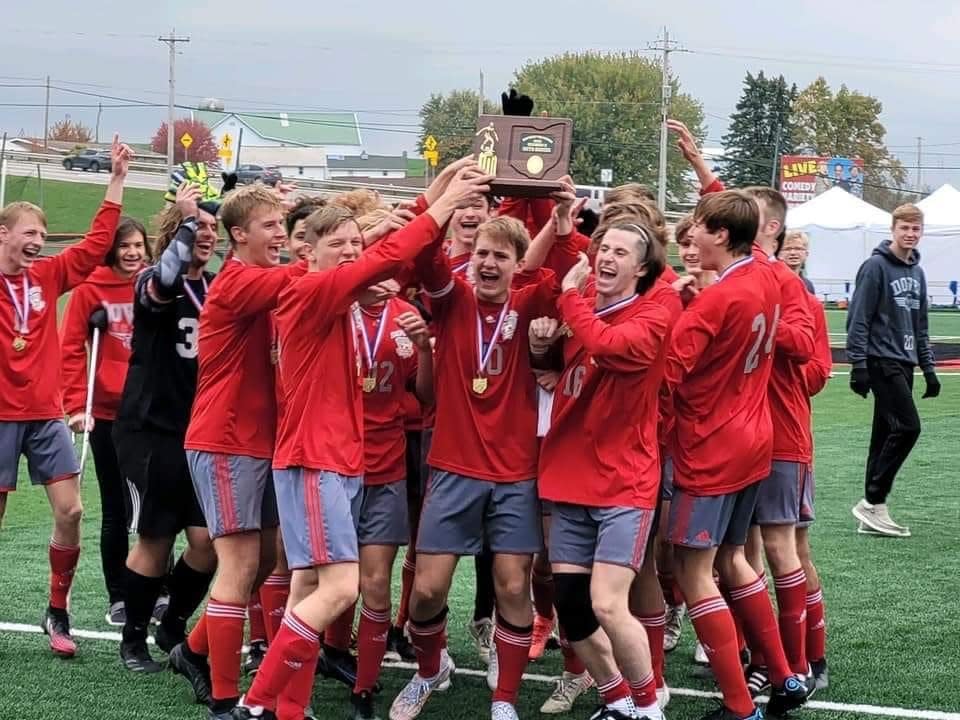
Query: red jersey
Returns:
{"type": "Point", "coordinates": [664, 294]}
{"type": "Point", "coordinates": [114, 293]}
{"type": "Point", "coordinates": [320, 355]}
{"type": "Point", "coordinates": [669, 275]}
{"type": "Point", "coordinates": [717, 375]}
{"type": "Point", "coordinates": [30, 375]}
{"type": "Point", "coordinates": [816, 373]}
{"type": "Point", "coordinates": [235, 408]}
{"type": "Point", "coordinates": [601, 449]}
{"type": "Point", "coordinates": [486, 420]}
{"type": "Point", "coordinates": [534, 213]}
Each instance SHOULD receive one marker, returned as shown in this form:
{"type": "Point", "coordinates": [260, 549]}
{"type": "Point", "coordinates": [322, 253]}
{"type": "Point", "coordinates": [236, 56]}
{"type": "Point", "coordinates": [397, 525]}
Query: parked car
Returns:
{"type": "Point", "coordinates": [89, 159]}
{"type": "Point", "coordinates": [247, 174]}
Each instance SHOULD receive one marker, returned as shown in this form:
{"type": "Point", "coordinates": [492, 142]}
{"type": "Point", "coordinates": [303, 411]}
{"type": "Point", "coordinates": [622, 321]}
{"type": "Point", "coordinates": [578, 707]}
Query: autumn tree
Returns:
{"type": "Point", "coordinates": [73, 131]}
{"type": "Point", "coordinates": [202, 149]}
{"type": "Point", "coordinates": [452, 120]}
{"type": "Point", "coordinates": [847, 124]}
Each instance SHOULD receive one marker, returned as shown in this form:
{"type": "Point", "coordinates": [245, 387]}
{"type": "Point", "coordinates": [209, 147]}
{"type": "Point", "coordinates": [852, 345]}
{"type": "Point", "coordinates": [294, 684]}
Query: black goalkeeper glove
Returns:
{"type": "Point", "coordinates": [933, 384]}
{"type": "Point", "coordinates": [515, 104]}
{"type": "Point", "coordinates": [97, 320]}
{"type": "Point", "coordinates": [860, 381]}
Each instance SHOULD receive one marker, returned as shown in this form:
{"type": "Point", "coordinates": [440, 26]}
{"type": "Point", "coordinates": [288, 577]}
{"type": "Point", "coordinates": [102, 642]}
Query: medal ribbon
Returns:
{"type": "Point", "coordinates": [370, 351]}
{"type": "Point", "coordinates": [357, 324]}
{"type": "Point", "coordinates": [483, 358]}
{"type": "Point", "coordinates": [197, 302]}
{"type": "Point", "coordinates": [23, 312]}
{"type": "Point", "coordinates": [616, 306]}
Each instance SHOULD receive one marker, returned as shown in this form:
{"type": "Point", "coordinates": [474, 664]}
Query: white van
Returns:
{"type": "Point", "coordinates": [594, 195]}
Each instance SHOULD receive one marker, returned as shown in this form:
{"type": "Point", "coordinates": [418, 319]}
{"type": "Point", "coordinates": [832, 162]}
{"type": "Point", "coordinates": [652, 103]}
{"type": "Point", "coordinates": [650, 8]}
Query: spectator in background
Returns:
{"type": "Point", "coordinates": [794, 252]}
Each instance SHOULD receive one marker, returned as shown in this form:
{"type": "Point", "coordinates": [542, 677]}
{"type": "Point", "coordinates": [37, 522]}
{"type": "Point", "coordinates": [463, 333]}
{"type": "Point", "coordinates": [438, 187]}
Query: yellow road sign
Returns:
{"type": "Point", "coordinates": [186, 140]}
{"type": "Point", "coordinates": [431, 156]}
{"type": "Point", "coordinates": [226, 142]}
{"type": "Point", "coordinates": [430, 144]}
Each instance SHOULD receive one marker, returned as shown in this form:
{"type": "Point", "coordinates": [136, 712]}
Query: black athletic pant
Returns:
{"type": "Point", "coordinates": [113, 523]}
{"type": "Point", "coordinates": [896, 425]}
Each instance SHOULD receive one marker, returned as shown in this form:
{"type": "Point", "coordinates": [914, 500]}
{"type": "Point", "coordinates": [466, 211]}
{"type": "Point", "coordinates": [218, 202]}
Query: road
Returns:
{"type": "Point", "coordinates": [49, 171]}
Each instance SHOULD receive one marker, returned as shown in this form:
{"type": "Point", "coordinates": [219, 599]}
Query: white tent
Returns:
{"type": "Point", "coordinates": [940, 246]}
{"type": "Point", "coordinates": [941, 209]}
{"type": "Point", "coordinates": [843, 231]}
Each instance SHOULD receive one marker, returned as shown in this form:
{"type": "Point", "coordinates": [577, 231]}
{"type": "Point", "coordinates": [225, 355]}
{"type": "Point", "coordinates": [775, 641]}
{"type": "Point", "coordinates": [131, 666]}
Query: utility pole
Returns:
{"type": "Point", "coordinates": [666, 46]}
{"type": "Point", "coordinates": [776, 156]}
{"type": "Point", "coordinates": [480, 97]}
{"type": "Point", "coordinates": [46, 116]}
{"type": "Point", "coordinates": [171, 41]}
{"type": "Point", "coordinates": [919, 164]}
{"type": "Point", "coordinates": [97, 132]}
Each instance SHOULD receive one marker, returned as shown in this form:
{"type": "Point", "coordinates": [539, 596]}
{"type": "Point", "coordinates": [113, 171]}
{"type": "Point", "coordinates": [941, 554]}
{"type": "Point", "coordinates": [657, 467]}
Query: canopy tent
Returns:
{"type": "Point", "coordinates": [940, 246]}
{"type": "Point", "coordinates": [941, 209]}
{"type": "Point", "coordinates": [836, 209]}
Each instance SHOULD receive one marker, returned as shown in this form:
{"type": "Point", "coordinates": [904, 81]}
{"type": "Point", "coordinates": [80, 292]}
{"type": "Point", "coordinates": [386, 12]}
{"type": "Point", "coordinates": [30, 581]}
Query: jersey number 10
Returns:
{"type": "Point", "coordinates": [759, 327]}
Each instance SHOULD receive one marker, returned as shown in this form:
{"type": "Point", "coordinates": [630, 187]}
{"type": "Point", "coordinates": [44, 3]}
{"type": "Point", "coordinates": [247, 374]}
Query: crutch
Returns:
{"type": "Point", "coordinates": [91, 374]}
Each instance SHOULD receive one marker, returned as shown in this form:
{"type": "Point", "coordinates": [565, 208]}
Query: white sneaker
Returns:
{"type": "Point", "coordinates": [409, 703]}
{"type": "Point", "coordinates": [503, 711]}
{"type": "Point", "coordinates": [663, 696]}
{"type": "Point", "coordinates": [445, 659]}
{"type": "Point", "coordinates": [493, 669]}
{"type": "Point", "coordinates": [700, 655]}
{"type": "Point", "coordinates": [877, 518]}
{"type": "Point", "coordinates": [674, 627]}
{"type": "Point", "coordinates": [568, 688]}
{"type": "Point", "coordinates": [482, 633]}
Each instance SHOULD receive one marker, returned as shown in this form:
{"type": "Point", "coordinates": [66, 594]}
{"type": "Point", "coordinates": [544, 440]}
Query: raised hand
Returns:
{"type": "Point", "coordinates": [442, 180]}
{"type": "Point", "coordinates": [467, 185]}
{"type": "Point", "coordinates": [516, 104]}
{"type": "Point", "coordinates": [188, 195]}
{"type": "Point", "coordinates": [381, 292]}
{"type": "Point", "coordinates": [415, 328]}
{"type": "Point", "coordinates": [576, 278]}
{"type": "Point", "coordinates": [120, 157]}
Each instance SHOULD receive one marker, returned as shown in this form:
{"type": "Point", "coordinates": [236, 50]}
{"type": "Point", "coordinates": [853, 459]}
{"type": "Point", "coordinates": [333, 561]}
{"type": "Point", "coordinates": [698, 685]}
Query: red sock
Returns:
{"type": "Point", "coordinates": [655, 625]}
{"type": "Point", "coordinates": [255, 618]}
{"type": "Point", "coordinates": [197, 639]}
{"type": "Point", "coordinates": [613, 690]}
{"type": "Point", "coordinates": [371, 646]}
{"type": "Point", "coordinates": [63, 564]}
{"type": "Point", "coordinates": [337, 634]}
{"type": "Point", "coordinates": [751, 603]}
{"type": "Point", "coordinates": [273, 596]}
{"type": "Point", "coordinates": [225, 638]}
{"type": "Point", "coordinates": [571, 661]}
{"type": "Point", "coordinates": [741, 639]}
{"type": "Point", "coordinates": [295, 648]}
{"type": "Point", "coordinates": [406, 587]}
{"type": "Point", "coordinates": [792, 617]}
{"type": "Point", "coordinates": [714, 625]}
{"type": "Point", "coordinates": [816, 626]}
{"type": "Point", "coordinates": [428, 639]}
{"type": "Point", "coordinates": [513, 652]}
{"type": "Point", "coordinates": [295, 696]}
{"type": "Point", "coordinates": [543, 594]}
{"type": "Point", "coordinates": [644, 691]}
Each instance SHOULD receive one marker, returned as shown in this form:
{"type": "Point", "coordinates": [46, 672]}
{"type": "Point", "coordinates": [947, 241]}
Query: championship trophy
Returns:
{"type": "Point", "coordinates": [527, 155]}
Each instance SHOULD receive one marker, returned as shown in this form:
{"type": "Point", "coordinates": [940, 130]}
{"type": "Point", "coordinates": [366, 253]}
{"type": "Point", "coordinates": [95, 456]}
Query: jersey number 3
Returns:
{"type": "Point", "coordinates": [188, 348]}
{"type": "Point", "coordinates": [760, 327]}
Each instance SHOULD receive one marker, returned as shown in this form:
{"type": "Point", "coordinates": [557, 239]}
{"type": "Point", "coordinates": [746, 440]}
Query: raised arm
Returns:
{"type": "Point", "coordinates": [687, 144]}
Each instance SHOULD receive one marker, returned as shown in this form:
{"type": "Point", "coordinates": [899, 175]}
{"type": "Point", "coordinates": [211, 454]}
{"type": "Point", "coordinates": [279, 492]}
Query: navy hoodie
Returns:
{"type": "Point", "coordinates": [888, 313]}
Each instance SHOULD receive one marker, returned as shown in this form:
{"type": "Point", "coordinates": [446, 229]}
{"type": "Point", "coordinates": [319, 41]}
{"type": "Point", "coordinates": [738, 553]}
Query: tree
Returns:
{"type": "Point", "coordinates": [847, 124]}
{"type": "Point", "coordinates": [614, 101]}
{"type": "Point", "coordinates": [202, 149]}
{"type": "Point", "coordinates": [452, 120]}
{"type": "Point", "coordinates": [761, 129]}
{"type": "Point", "coordinates": [67, 130]}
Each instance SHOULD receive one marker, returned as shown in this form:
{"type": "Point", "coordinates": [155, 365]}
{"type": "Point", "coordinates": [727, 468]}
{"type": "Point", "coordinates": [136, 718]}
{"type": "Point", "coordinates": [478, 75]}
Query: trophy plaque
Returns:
{"type": "Point", "coordinates": [528, 155]}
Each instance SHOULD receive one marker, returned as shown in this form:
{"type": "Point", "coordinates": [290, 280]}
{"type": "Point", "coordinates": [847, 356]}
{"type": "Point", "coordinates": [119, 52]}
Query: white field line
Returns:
{"type": "Point", "coordinates": [862, 709]}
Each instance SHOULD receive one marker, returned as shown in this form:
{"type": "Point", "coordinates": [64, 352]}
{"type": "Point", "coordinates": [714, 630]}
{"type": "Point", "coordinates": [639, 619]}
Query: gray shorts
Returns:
{"type": "Point", "coordinates": [318, 516]}
{"type": "Point", "coordinates": [383, 515]}
{"type": "Point", "coordinates": [807, 515]}
{"type": "Point", "coordinates": [581, 535]}
{"type": "Point", "coordinates": [426, 441]}
{"type": "Point", "coordinates": [235, 492]}
{"type": "Point", "coordinates": [463, 516]}
{"type": "Point", "coordinates": [778, 501]}
{"type": "Point", "coordinates": [666, 479]}
{"type": "Point", "coordinates": [707, 521]}
{"type": "Point", "coordinates": [47, 446]}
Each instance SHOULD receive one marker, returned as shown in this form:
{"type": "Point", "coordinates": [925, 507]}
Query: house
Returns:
{"type": "Point", "coordinates": [298, 143]}
{"type": "Point", "coordinates": [367, 166]}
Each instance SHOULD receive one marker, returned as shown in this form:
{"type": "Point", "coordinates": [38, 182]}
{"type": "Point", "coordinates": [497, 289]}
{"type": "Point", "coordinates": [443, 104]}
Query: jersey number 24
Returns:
{"type": "Point", "coordinates": [762, 331]}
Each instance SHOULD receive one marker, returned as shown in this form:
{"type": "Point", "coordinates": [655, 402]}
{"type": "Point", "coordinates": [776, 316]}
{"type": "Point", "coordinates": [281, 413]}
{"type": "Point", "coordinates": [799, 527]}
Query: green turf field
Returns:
{"type": "Point", "coordinates": [943, 324]}
{"type": "Point", "coordinates": [892, 612]}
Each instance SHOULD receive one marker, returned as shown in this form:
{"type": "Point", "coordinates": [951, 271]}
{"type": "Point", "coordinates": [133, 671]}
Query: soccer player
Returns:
{"type": "Point", "coordinates": [887, 337]}
{"type": "Point", "coordinates": [31, 407]}
{"type": "Point", "coordinates": [717, 374]}
{"type": "Point", "coordinates": [230, 436]}
{"type": "Point", "coordinates": [613, 365]}
{"type": "Point", "coordinates": [319, 456]}
{"type": "Point", "coordinates": [794, 253]}
{"type": "Point", "coordinates": [108, 292]}
{"type": "Point", "coordinates": [149, 433]}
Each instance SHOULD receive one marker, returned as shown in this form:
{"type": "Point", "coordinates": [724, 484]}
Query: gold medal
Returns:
{"type": "Point", "coordinates": [479, 385]}
{"type": "Point", "coordinates": [369, 384]}
{"type": "Point", "coordinates": [19, 343]}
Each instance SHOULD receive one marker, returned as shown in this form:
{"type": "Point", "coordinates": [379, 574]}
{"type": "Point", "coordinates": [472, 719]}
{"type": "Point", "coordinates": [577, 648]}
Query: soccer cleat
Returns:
{"type": "Point", "coordinates": [241, 712]}
{"type": "Point", "coordinates": [194, 668]}
{"type": "Point", "coordinates": [700, 655]}
{"type": "Point", "coordinates": [674, 627]}
{"type": "Point", "coordinates": [167, 639]}
{"type": "Point", "coordinates": [605, 712]}
{"type": "Point", "coordinates": [160, 609]}
{"type": "Point", "coordinates": [663, 696]}
{"type": "Point", "coordinates": [399, 647]}
{"type": "Point", "coordinates": [821, 675]}
{"type": "Point", "coordinates": [445, 659]}
{"type": "Point", "coordinates": [493, 669]}
{"type": "Point", "coordinates": [565, 693]}
{"type": "Point", "coordinates": [482, 633]}
{"type": "Point", "coordinates": [136, 658]}
{"type": "Point", "coordinates": [56, 625]}
{"type": "Point", "coordinates": [339, 665]}
{"type": "Point", "coordinates": [877, 518]}
{"type": "Point", "coordinates": [117, 614]}
{"type": "Point", "coordinates": [255, 655]}
{"type": "Point", "coordinates": [792, 695]}
{"type": "Point", "coordinates": [414, 695]}
{"type": "Point", "coordinates": [362, 706]}
{"type": "Point", "coordinates": [722, 713]}
{"type": "Point", "coordinates": [757, 680]}
{"type": "Point", "coordinates": [542, 628]}
{"type": "Point", "coordinates": [503, 711]}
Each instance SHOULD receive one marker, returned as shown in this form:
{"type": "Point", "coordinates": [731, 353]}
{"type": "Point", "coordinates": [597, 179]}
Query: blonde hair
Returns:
{"type": "Point", "coordinates": [11, 214]}
{"type": "Point", "coordinates": [326, 220]}
{"type": "Point", "coordinates": [360, 202]}
{"type": "Point", "coordinates": [509, 231]}
{"type": "Point", "coordinates": [372, 219]}
{"type": "Point", "coordinates": [241, 204]}
{"type": "Point", "coordinates": [682, 228]}
{"type": "Point", "coordinates": [628, 212]}
{"type": "Point", "coordinates": [908, 213]}
{"type": "Point", "coordinates": [797, 235]}
{"type": "Point", "coordinates": [628, 193]}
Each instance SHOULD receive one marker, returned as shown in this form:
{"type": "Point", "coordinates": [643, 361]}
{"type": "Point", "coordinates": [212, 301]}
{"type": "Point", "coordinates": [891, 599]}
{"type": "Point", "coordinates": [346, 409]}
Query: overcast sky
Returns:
{"type": "Point", "coordinates": [385, 58]}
